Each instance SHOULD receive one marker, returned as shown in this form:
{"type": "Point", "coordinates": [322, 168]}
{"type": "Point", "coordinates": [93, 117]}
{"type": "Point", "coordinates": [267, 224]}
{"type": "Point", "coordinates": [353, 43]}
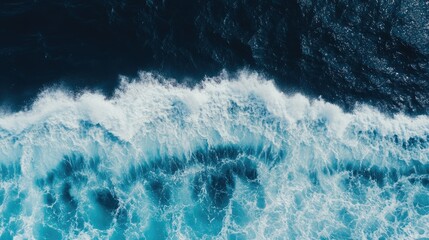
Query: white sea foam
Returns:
{"type": "Point", "coordinates": [292, 140]}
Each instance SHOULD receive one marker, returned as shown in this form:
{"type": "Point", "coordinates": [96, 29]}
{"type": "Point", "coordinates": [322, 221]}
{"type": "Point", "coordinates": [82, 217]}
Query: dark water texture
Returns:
{"type": "Point", "coordinates": [347, 51]}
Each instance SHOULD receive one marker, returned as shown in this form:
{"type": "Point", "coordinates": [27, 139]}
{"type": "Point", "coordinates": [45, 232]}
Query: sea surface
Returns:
{"type": "Point", "coordinates": [214, 119]}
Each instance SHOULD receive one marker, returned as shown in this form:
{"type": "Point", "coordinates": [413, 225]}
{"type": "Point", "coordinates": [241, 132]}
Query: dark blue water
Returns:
{"type": "Point", "coordinates": [214, 119]}
{"type": "Point", "coordinates": [372, 51]}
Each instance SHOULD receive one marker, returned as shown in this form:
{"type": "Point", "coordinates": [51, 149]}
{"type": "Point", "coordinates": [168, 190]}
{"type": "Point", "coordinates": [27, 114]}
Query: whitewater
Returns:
{"type": "Point", "coordinates": [230, 158]}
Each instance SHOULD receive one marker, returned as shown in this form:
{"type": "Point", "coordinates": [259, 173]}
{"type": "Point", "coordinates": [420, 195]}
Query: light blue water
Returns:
{"type": "Point", "coordinates": [229, 159]}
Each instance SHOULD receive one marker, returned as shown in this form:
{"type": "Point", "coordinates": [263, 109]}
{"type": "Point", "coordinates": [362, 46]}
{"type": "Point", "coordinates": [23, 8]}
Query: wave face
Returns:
{"type": "Point", "coordinates": [232, 158]}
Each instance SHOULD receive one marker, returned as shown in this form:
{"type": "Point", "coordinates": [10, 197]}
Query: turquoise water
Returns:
{"type": "Point", "coordinates": [232, 158]}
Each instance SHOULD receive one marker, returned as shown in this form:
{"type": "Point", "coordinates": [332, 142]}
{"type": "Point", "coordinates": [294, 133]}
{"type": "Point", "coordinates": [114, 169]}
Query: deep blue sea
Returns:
{"type": "Point", "coordinates": [216, 119]}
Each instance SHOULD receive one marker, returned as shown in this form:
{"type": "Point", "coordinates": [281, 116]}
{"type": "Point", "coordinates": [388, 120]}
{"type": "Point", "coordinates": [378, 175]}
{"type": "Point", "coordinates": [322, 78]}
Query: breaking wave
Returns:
{"type": "Point", "coordinates": [232, 157]}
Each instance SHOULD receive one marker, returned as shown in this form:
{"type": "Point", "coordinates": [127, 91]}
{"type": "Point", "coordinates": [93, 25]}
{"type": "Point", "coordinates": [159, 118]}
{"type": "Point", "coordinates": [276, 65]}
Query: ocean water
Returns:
{"type": "Point", "coordinates": [374, 52]}
{"type": "Point", "coordinates": [230, 158]}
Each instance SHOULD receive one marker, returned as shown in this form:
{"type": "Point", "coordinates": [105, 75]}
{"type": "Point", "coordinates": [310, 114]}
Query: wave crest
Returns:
{"type": "Point", "coordinates": [230, 157]}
